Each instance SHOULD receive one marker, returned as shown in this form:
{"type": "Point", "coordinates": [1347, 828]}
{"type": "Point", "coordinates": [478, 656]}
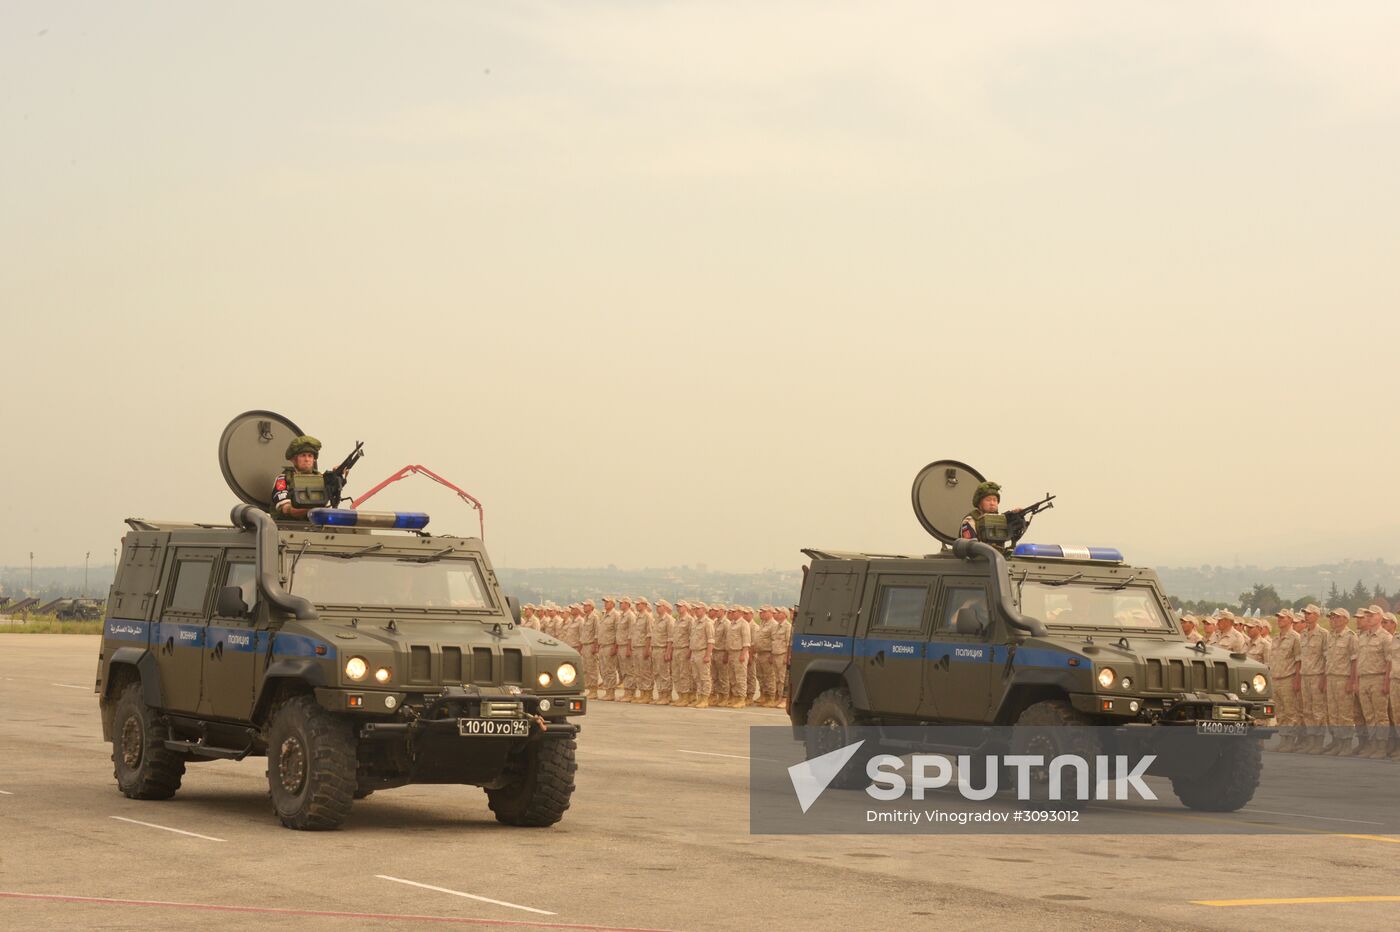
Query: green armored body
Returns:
{"type": "Point", "coordinates": [1046, 635]}
{"type": "Point", "coordinates": [354, 651]}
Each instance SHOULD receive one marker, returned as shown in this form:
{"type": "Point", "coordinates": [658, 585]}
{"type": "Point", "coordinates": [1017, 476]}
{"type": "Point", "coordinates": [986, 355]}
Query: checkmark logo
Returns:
{"type": "Point", "coordinates": [811, 777]}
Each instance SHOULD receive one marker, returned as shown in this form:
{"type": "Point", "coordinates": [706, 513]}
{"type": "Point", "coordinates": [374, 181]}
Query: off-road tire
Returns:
{"type": "Point", "coordinates": [537, 791]}
{"type": "Point", "coordinates": [1227, 785]}
{"type": "Point", "coordinates": [829, 722]}
{"type": "Point", "coordinates": [143, 766]}
{"type": "Point", "coordinates": [311, 765]}
{"type": "Point", "coordinates": [1051, 728]}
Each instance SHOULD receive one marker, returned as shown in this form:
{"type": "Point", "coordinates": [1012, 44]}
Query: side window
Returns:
{"type": "Point", "coordinates": [191, 585]}
{"type": "Point", "coordinates": [901, 607]}
{"type": "Point", "coordinates": [242, 576]}
{"type": "Point", "coordinates": [964, 597]}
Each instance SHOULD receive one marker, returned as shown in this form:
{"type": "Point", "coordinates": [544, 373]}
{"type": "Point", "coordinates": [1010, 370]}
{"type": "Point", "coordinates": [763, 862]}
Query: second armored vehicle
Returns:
{"type": "Point", "coordinates": [1044, 636]}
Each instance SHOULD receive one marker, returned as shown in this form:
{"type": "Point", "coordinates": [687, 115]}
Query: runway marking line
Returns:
{"type": "Point", "coordinates": [1304, 815]}
{"type": "Point", "coordinates": [67, 686]}
{"type": "Point", "coordinates": [714, 754]}
{"type": "Point", "coordinates": [470, 896]}
{"type": "Point", "coordinates": [1388, 839]}
{"type": "Point", "coordinates": [333, 914]}
{"type": "Point", "coordinates": [6, 793]}
{"type": "Point", "coordinates": [166, 828]}
{"type": "Point", "coordinates": [1299, 901]}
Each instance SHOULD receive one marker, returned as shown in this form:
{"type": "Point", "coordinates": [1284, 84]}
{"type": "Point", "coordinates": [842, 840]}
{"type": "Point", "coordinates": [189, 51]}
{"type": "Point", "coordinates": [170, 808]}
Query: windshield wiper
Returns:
{"type": "Point", "coordinates": [430, 558]}
{"type": "Point", "coordinates": [1061, 582]}
{"type": "Point", "coordinates": [292, 573]}
{"type": "Point", "coordinates": [1122, 585]}
{"type": "Point", "coordinates": [359, 553]}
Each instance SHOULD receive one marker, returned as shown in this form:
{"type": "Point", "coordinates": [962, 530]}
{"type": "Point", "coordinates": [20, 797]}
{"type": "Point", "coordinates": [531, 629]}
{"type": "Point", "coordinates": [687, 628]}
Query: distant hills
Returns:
{"type": "Point", "coordinates": [564, 584]}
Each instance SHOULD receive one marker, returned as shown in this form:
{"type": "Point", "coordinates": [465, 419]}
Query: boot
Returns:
{"type": "Point", "coordinates": [741, 702]}
{"type": "Point", "coordinates": [1377, 752]}
{"type": "Point", "coordinates": [1288, 745]}
{"type": "Point", "coordinates": [704, 703]}
{"type": "Point", "coordinates": [682, 700]}
{"type": "Point", "coordinates": [1333, 750]}
{"type": "Point", "coordinates": [1353, 749]}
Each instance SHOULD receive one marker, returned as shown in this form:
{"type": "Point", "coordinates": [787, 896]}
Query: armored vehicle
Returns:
{"type": "Point", "coordinates": [355, 651]}
{"type": "Point", "coordinates": [1042, 635]}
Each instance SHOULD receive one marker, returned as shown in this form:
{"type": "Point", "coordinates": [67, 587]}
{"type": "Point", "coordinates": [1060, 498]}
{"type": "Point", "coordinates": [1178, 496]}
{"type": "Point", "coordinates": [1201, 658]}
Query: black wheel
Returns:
{"type": "Point", "coordinates": [1049, 729]}
{"type": "Point", "coordinates": [829, 724]}
{"type": "Point", "coordinates": [1229, 783]}
{"type": "Point", "coordinates": [536, 792]}
{"type": "Point", "coordinates": [144, 768]}
{"type": "Point", "coordinates": [310, 765]}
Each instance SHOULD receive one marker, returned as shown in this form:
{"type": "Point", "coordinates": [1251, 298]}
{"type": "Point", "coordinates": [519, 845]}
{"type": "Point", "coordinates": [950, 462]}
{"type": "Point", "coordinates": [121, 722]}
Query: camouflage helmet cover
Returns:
{"type": "Point", "coordinates": [985, 489]}
{"type": "Point", "coordinates": [303, 444]}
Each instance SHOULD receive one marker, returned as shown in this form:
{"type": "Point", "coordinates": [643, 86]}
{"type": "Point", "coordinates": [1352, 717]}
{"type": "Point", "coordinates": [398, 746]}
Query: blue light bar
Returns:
{"type": "Point", "coordinates": [349, 517]}
{"type": "Point", "coordinates": [1065, 552]}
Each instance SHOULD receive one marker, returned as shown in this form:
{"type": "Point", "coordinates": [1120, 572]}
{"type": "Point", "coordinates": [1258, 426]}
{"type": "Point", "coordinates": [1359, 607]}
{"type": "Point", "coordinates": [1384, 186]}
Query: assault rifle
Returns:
{"type": "Point", "coordinates": [1017, 522]}
{"type": "Point", "coordinates": [335, 478]}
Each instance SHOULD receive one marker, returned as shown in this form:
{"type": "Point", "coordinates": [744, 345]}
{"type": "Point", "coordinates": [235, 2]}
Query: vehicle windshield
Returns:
{"type": "Point", "coordinates": [1083, 605]}
{"type": "Point", "coordinates": [401, 582]}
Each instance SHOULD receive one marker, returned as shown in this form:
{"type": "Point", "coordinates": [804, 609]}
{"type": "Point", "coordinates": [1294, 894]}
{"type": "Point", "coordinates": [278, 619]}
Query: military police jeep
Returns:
{"type": "Point", "coordinates": [356, 652]}
{"type": "Point", "coordinates": [1045, 636]}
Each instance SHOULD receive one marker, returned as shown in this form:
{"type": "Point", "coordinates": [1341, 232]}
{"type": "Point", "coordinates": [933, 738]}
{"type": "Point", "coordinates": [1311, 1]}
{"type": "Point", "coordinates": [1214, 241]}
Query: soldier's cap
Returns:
{"type": "Point", "coordinates": [1225, 615]}
{"type": "Point", "coordinates": [1374, 609]}
{"type": "Point", "coordinates": [1339, 612]}
{"type": "Point", "coordinates": [1310, 607]}
{"type": "Point", "coordinates": [1390, 617]}
{"type": "Point", "coordinates": [303, 444]}
{"type": "Point", "coordinates": [1284, 613]}
{"type": "Point", "coordinates": [661, 602]}
{"type": "Point", "coordinates": [985, 489]}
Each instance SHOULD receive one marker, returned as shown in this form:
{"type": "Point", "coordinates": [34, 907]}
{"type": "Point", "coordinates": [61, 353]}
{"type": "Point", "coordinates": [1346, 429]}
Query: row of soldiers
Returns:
{"type": "Point", "coordinates": [692, 654]}
{"type": "Point", "coordinates": [1336, 689]}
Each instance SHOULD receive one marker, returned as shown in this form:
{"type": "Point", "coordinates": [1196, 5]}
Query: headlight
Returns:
{"type": "Point", "coordinates": [544, 679]}
{"type": "Point", "coordinates": [1261, 682]}
{"type": "Point", "coordinates": [1106, 677]}
{"type": "Point", "coordinates": [1244, 688]}
{"type": "Point", "coordinates": [567, 674]}
{"type": "Point", "coordinates": [356, 668]}
{"type": "Point", "coordinates": [382, 675]}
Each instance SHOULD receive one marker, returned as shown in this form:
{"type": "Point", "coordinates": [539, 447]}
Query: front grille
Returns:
{"type": "Point", "coordinates": [481, 665]}
{"type": "Point", "coordinates": [452, 664]}
{"type": "Point", "coordinates": [420, 663]}
{"type": "Point", "coordinates": [514, 663]}
{"type": "Point", "coordinates": [1183, 676]}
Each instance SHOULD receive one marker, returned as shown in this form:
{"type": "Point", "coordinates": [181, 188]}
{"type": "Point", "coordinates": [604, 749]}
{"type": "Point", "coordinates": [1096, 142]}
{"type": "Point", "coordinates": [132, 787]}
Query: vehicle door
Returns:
{"type": "Point", "coordinates": [959, 665]}
{"type": "Point", "coordinates": [179, 636]}
{"type": "Point", "coordinates": [231, 643]}
{"type": "Point", "coordinates": [891, 652]}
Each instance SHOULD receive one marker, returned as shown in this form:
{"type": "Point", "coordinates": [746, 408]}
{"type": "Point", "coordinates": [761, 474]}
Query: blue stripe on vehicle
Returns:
{"type": "Point", "coordinates": [957, 651]}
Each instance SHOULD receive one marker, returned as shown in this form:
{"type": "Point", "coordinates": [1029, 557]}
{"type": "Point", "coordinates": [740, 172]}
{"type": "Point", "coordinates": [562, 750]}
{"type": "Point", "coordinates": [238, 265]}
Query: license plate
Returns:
{"type": "Point", "coordinates": [1222, 728]}
{"type": "Point", "coordinates": [494, 728]}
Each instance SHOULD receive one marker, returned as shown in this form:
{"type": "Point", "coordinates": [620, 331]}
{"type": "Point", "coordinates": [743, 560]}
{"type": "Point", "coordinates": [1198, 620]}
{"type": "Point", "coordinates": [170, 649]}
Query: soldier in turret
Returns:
{"type": "Point", "coordinates": [986, 522]}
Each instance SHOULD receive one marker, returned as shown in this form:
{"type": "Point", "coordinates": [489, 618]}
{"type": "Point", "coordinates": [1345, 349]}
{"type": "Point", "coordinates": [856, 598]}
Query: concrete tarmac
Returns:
{"type": "Point", "coordinates": [657, 838]}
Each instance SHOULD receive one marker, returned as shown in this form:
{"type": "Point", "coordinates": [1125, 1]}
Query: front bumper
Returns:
{"type": "Point", "coordinates": [452, 702]}
{"type": "Point", "coordinates": [1176, 709]}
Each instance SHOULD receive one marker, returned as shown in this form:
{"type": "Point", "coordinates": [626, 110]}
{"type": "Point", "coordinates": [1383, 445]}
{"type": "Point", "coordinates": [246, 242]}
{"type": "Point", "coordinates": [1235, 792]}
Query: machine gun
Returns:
{"type": "Point", "coordinates": [1018, 522]}
{"type": "Point", "coordinates": [335, 478]}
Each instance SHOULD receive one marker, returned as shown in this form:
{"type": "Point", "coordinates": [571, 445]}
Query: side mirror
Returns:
{"type": "Point", "coordinates": [967, 621]}
{"type": "Point", "coordinates": [231, 604]}
{"type": "Point", "coordinates": [514, 605]}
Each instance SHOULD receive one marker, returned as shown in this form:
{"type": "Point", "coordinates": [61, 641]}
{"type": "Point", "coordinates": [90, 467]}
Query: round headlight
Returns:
{"type": "Point", "coordinates": [1127, 682]}
{"type": "Point", "coordinates": [546, 705]}
{"type": "Point", "coordinates": [1106, 677]}
{"type": "Point", "coordinates": [382, 675]}
{"type": "Point", "coordinates": [1244, 687]}
{"type": "Point", "coordinates": [356, 668]}
{"type": "Point", "coordinates": [1133, 706]}
{"type": "Point", "coordinates": [545, 679]}
{"type": "Point", "coordinates": [567, 674]}
{"type": "Point", "coordinates": [390, 702]}
{"type": "Point", "coordinates": [1261, 682]}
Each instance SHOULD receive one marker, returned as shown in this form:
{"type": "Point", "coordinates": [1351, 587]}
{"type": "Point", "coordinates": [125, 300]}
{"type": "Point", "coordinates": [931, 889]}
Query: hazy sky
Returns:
{"type": "Point", "coordinates": [709, 282]}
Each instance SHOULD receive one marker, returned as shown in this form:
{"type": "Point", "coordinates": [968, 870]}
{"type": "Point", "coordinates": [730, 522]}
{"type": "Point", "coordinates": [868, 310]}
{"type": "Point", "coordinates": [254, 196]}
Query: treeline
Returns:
{"type": "Point", "coordinates": [1267, 601]}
